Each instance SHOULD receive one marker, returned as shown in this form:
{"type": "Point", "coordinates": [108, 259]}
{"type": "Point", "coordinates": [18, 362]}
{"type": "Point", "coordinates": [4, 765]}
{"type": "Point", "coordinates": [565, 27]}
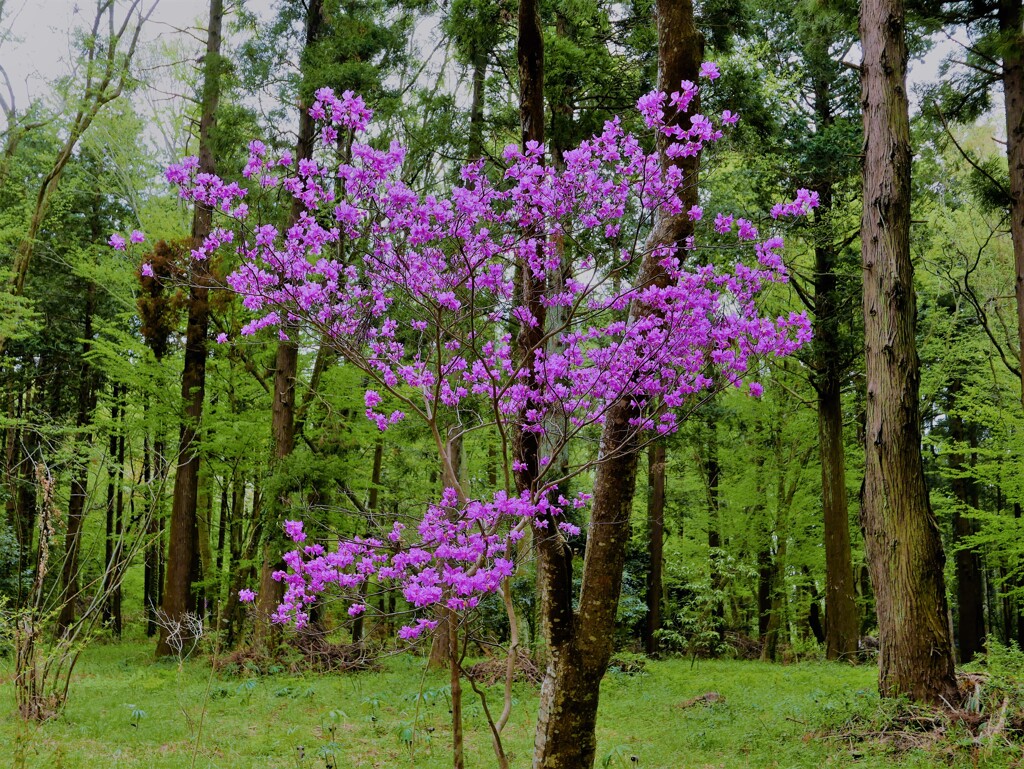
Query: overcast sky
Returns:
{"type": "Point", "coordinates": [36, 51]}
{"type": "Point", "coordinates": [39, 49]}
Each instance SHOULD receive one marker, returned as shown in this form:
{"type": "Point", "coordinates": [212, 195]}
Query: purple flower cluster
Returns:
{"type": "Point", "coordinates": [448, 262]}
{"type": "Point", "coordinates": [461, 551]}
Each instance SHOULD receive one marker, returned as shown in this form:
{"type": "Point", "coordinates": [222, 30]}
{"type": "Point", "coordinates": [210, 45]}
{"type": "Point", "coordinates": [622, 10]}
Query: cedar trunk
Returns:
{"type": "Point", "coordinates": [182, 554]}
{"type": "Point", "coordinates": [80, 478]}
{"type": "Point", "coordinates": [713, 469]}
{"type": "Point", "coordinates": [1010, 21]}
{"type": "Point", "coordinates": [580, 642]}
{"type": "Point", "coordinates": [831, 366]}
{"type": "Point", "coordinates": [655, 541]}
{"type": "Point", "coordinates": [904, 550]}
{"type": "Point", "coordinates": [842, 624]}
{"type": "Point", "coordinates": [286, 367]}
{"type": "Point", "coordinates": [970, 585]}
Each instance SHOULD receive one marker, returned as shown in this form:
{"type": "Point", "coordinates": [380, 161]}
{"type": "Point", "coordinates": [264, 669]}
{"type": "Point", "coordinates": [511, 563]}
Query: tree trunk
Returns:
{"type": "Point", "coordinates": [204, 520]}
{"type": "Point", "coordinates": [285, 372]}
{"type": "Point", "coordinates": [223, 521]}
{"type": "Point", "coordinates": [764, 587]}
{"type": "Point", "coordinates": [841, 620]}
{"type": "Point", "coordinates": [1010, 25]}
{"type": "Point", "coordinates": [580, 643]}
{"type": "Point", "coordinates": [182, 555]}
{"type": "Point", "coordinates": [476, 107]}
{"type": "Point", "coordinates": [778, 620]}
{"type": "Point", "coordinates": [970, 589]}
{"type": "Point", "coordinates": [902, 542]}
{"type": "Point", "coordinates": [451, 471]}
{"type": "Point", "coordinates": [1011, 18]}
{"type": "Point", "coordinates": [80, 475]}
{"type": "Point", "coordinates": [714, 475]}
{"type": "Point", "coordinates": [108, 538]}
{"type": "Point", "coordinates": [115, 512]}
{"type": "Point", "coordinates": [271, 591]}
{"type": "Point", "coordinates": [655, 541]}
{"type": "Point", "coordinates": [151, 558]}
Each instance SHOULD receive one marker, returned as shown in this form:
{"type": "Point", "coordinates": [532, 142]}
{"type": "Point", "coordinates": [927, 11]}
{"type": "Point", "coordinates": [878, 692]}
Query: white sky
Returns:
{"type": "Point", "coordinates": [36, 47]}
{"type": "Point", "coordinates": [37, 50]}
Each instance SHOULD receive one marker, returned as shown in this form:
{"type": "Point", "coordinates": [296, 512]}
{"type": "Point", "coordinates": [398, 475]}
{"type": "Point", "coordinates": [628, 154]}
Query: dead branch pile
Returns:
{"type": "Point", "coordinates": [708, 698]}
{"type": "Point", "coordinates": [302, 653]}
{"type": "Point", "coordinates": [987, 719]}
{"type": "Point", "coordinates": [492, 671]}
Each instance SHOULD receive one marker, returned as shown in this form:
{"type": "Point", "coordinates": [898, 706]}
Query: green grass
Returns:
{"type": "Point", "coordinates": [127, 711]}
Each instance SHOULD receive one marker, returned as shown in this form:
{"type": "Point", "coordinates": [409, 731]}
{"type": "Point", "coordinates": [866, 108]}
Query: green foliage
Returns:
{"type": "Point", "coordinates": [14, 577]}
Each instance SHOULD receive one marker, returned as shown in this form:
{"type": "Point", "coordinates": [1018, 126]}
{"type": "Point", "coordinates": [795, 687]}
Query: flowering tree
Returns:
{"type": "Point", "coordinates": [419, 291]}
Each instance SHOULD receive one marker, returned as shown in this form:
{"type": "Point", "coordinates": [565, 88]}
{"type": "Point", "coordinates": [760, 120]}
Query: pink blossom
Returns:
{"type": "Point", "coordinates": [294, 530]}
{"type": "Point", "coordinates": [709, 70]}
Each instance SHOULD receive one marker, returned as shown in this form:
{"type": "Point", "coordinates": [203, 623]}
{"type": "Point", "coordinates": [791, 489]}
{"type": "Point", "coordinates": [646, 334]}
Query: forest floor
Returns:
{"type": "Point", "coordinates": [125, 710]}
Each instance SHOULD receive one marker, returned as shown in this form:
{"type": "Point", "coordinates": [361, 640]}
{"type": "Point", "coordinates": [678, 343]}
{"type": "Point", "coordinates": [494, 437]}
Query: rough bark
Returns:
{"type": "Point", "coordinates": [655, 541]}
{"type": "Point", "coordinates": [970, 586]}
{"type": "Point", "coordinates": [271, 591]}
{"type": "Point", "coordinates": [373, 506]}
{"type": "Point", "coordinates": [115, 513]}
{"type": "Point", "coordinates": [476, 107]}
{"type": "Point", "coordinates": [153, 468]}
{"type": "Point", "coordinates": [283, 408]}
{"type": "Point", "coordinates": [713, 470]}
{"type": "Point", "coordinates": [903, 546]}
{"type": "Point", "coordinates": [80, 476]}
{"type": "Point", "coordinates": [580, 643]}
{"type": "Point", "coordinates": [1011, 17]}
{"type": "Point", "coordinates": [841, 620]}
{"type": "Point", "coordinates": [182, 554]}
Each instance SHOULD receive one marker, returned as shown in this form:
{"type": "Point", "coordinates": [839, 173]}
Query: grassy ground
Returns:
{"type": "Point", "coordinates": [128, 711]}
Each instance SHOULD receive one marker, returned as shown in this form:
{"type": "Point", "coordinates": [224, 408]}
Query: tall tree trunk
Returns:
{"type": "Point", "coordinates": [115, 512]}
{"type": "Point", "coordinates": [970, 588]}
{"type": "Point", "coordinates": [713, 469]}
{"type": "Point", "coordinates": [373, 506]}
{"type": "Point", "coordinates": [655, 541]}
{"type": "Point", "coordinates": [476, 107]}
{"type": "Point", "coordinates": [1011, 26]}
{"type": "Point", "coordinates": [223, 522]}
{"type": "Point", "coordinates": [451, 472]}
{"type": "Point", "coordinates": [154, 534]}
{"type": "Point", "coordinates": [1011, 18]}
{"type": "Point", "coordinates": [580, 642]}
{"type": "Point", "coordinates": [204, 518]}
{"type": "Point", "coordinates": [841, 620]}
{"type": "Point", "coordinates": [182, 555]}
{"type": "Point", "coordinates": [80, 474]}
{"type": "Point", "coordinates": [286, 368]}
{"type": "Point", "coordinates": [119, 505]}
{"type": "Point", "coordinates": [778, 620]}
{"type": "Point", "coordinates": [902, 542]}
